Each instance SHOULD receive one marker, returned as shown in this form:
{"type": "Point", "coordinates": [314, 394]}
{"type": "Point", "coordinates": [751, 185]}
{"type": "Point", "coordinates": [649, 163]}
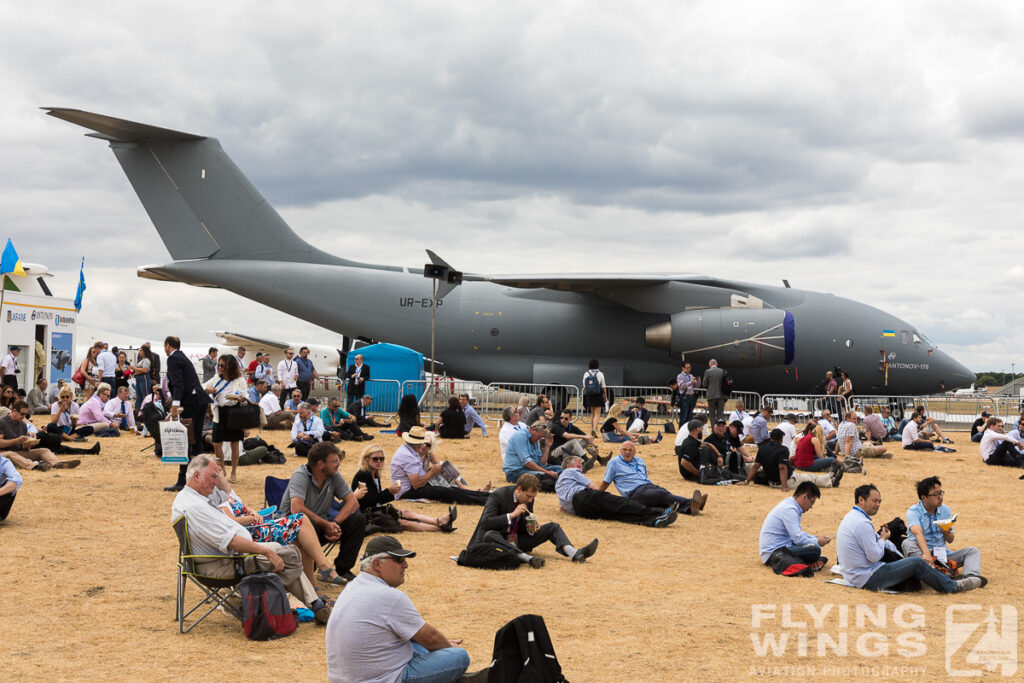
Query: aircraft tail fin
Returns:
{"type": "Point", "coordinates": [202, 205]}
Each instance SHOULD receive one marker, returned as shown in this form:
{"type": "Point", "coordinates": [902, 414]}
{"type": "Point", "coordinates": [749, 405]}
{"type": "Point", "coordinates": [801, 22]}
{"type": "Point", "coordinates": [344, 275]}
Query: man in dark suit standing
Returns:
{"type": "Point", "coordinates": [713, 383]}
{"type": "Point", "coordinates": [357, 376]}
{"type": "Point", "coordinates": [508, 520]}
{"type": "Point", "coordinates": [188, 400]}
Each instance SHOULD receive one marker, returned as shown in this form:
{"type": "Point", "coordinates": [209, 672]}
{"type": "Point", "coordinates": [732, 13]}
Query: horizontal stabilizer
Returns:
{"type": "Point", "coordinates": [118, 129]}
{"type": "Point", "coordinates": [234, 339]}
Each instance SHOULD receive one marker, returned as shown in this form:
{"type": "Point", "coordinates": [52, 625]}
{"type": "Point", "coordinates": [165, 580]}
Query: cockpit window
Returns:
{"type": "Point", "coordinates": [916, 338]}
{"type": "Point", "coordinates": [905, 336]}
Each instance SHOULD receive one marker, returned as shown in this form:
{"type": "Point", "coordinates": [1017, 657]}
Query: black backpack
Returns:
{"type": "Point", "coordinates": [487, 555]}
{"type": "Point", "coordinates": [266, 614]}
{"type": "Point", "coordinates": [726, 384]}
{"type": "Point", "coordinates": [523, 653]}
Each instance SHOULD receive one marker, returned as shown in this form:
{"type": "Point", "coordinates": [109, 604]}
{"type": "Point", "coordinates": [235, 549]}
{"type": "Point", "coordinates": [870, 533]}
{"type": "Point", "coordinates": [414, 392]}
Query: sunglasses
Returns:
{"type": "Point", "coordinates": [377, 459]}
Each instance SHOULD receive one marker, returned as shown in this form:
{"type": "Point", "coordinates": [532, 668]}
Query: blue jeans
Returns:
{"type": "Point", "coordinates": [513, 477]}
{"type": "Point", "coordinates": [977, 437]}
{"type": "Point", "coordinates": [819, 465]}
{"type": "Point", "coordinates": [809, 553]}
{"type": "Point", "coordinates": [686, 409]}
{"type": "Point", "coordinates": [893, 573]}
{"type": "Point", "coordinates": [613, 437]}
{"type": "Point", "coordinates": [440, 666]}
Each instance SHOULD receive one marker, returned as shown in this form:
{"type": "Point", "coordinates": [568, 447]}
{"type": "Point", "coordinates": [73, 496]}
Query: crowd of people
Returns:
{"type": "Point", "coordinates": [540, 450]}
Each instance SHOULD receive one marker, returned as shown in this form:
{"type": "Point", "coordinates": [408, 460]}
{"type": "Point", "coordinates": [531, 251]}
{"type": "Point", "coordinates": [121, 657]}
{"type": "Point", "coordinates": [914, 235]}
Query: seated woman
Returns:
{"type": "Point", "coordinates": [510, 424]}
{"type": "Point", "coordinates": [416, 469]}
{"type": "Point", "coordinates": [377, 496]}
{"type": "Point", "coordinates": [613, 432]}
{"type": "Point", "coordinates": [7, 398]}
{"type": "Point", "coordinates": [408, 414]}
{"type": "Point", "coordinates": [452, 424]}
{"type": "Point", "coordinates": [64, 417]}
{"type": "Point", "coordinates": [286, 531]}
{"type": "Point", "coordinates": [810, 450]}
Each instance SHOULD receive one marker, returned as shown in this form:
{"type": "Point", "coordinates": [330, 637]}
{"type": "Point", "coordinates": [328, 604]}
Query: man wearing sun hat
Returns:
{"type": "Point", "coordinates": [411, 473]}
{"type": "Point", "coordinates": [376, 634]}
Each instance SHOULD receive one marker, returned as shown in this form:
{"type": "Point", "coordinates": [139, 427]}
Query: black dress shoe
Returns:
{"type": "Point", "coordinates": [174, 489]}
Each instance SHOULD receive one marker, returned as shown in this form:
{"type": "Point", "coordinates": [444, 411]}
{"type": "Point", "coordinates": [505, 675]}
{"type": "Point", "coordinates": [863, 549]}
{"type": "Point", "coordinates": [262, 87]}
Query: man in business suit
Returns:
{"type": "Point", "coordinates": [504, 521]}
{"type": "Point", "coordinates": [713, 383]}
{"type": "Point", "coordinates": [359, 408]}
{"type": "Point", "coordinates": [357, 376]}
{"type": "Point", "coordinates": [188, 400]}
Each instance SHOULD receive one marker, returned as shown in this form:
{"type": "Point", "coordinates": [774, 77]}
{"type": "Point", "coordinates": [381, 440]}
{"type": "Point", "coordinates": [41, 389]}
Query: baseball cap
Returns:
{"type": "Point", "coordinates": [386, 544]}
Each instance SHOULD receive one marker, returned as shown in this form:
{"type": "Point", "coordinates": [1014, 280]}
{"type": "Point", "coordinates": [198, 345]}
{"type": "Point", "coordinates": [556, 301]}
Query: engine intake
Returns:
{"type": "Point", "coordinates": [736, 337]}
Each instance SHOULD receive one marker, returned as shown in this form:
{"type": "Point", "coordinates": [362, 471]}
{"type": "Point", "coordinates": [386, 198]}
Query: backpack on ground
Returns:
{"type": "Point", "coordinates": [787, 564]}
{"type": "Point", "coordinates": [591, 384]}
{"type": "Point", "coordinates": [266, 614]}
{"type": "Point", "coordinates": [523, 653]}
{"type": "Point", "coordinates": [488, 555]}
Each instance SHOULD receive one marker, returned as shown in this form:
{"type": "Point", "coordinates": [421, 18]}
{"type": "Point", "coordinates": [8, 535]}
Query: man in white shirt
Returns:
{"type": "Point", "coordinates": [741, 415]}
{"type": "Point", "coordinates": [307, 429]}
{"type": "Point", "coordinates": [912, 440]}
{"type": "Point", "coordinates": [271, 406]}
{"type": "Point", "coordinates": [788, 429]}
{"type": "Point", "coordinates": [211, 532]}
{"type": "Point", "coordinates": [829, 430]}
{"type": "Point", "coordinates": [997, 448]}
{"type": "Point", "coordinates": [376, 634]}
{"type": "Point", "coordinates": [9, 368]}
{"type": "Point", "coordinates": [288, 370]}
{"type": "Point", "coordinates": [119, 410]}
{"type": "Point", "coordinates": [106, 363]}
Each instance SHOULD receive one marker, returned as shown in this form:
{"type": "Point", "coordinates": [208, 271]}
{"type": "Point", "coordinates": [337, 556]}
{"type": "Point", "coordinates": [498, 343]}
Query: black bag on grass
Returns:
{"type": "Point", "coordinates": [487, 555]}
{"type": "Point", "coordinates": [523, 653]}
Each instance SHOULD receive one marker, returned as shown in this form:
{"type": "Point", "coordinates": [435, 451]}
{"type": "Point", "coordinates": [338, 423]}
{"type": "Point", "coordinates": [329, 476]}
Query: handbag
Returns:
{"type": "Point", "coordinates": [242, 416]}
{"type": "Point", "coordinates": [386, 517]}
{"type": "Point", "coordinates": [78, 378]}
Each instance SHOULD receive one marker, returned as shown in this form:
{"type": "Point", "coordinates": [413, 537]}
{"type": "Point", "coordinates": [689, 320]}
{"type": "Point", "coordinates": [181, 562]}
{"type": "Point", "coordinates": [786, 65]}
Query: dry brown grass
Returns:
{"type": "Point", "coordinates": [90, 566]}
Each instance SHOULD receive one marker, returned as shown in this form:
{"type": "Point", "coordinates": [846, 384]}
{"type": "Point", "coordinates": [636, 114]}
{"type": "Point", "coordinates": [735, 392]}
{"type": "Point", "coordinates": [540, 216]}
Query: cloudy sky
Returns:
{"type": "Point", "coordinates": [872, 150]}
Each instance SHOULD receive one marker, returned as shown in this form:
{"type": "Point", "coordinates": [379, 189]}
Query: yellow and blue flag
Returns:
{"type": "Point", "coordinates": [888, 333]}
{"type": "Point", "coordinates": [9, 262]}
{"type": "Point", "coordinates": [81, 286]}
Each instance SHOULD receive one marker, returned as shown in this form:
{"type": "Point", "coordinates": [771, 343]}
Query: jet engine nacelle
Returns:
{"type": "Point", "coordinates": [736, 337]}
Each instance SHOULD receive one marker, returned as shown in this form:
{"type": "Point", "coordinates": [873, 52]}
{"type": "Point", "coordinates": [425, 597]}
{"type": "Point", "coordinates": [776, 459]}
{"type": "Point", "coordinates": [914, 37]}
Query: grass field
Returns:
{"type": "Point", "coordinates": [90, 560]}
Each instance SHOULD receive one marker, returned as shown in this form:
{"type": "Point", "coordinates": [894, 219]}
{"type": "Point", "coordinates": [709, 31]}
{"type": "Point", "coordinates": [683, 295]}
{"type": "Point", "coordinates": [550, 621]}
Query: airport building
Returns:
{"type": "Point", "coordinates": [37, 322]}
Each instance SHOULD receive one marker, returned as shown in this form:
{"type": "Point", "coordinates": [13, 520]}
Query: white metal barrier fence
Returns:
{"type": "Point", "coordinates": [498, 395]}
{"type": "Point", "coordinates": [432, 395]}
{"type": "Point", "coordinates": [805, 405]}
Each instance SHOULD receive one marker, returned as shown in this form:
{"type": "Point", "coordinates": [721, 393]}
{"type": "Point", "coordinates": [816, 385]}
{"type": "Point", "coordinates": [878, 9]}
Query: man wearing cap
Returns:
{"type": "Point", "coordinates": [525, 453]}
{"type": "Point", "coordinates": [9, 368]}
{"type": "Point", "coordinates": [628, 472]}
{"type": "Point", "coordinates": [578, 496]}
{"type": "Point", "coordinates": [376, 634]}
{"type": "Point", "coordinates": [701, 461]}
{"type": "Point", "coordinates": [504, 521]}
{"type": "Point", "coordinates": [312, 489]}
{"type": "Point", "coordinates": [408, 469]}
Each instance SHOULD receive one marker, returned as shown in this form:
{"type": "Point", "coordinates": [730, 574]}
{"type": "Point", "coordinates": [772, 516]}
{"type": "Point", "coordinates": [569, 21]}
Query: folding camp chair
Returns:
{"type": "Point", "coordinates": [216, 590]}
{"type": "Point", "coordinates": [273, 492]}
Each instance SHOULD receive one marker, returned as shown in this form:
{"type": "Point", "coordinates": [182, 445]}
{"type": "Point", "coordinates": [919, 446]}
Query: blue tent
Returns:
{"type": "Point", "coordinates": [388, 362]}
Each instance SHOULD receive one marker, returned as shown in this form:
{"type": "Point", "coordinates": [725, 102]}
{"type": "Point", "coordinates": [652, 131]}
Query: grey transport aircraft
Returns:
{"type": "Point", "coordinates": [222, 233]}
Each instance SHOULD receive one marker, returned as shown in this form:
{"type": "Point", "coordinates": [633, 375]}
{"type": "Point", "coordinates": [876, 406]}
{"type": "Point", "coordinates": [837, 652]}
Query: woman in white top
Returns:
{"type": "Point", "coordinates": [593, 399]}
{"type": "Point", "coordinates": [997, 448]}
{"type": "Point", "coordinates": [510, 424]}
{"type": "Point", "coordinates": [64, 417]}
{"type": "Point", "coordinates": [226, 388]}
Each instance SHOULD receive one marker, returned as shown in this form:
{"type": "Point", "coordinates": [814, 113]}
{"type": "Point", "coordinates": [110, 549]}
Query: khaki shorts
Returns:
{"type": "Point", "coordinates": [870, 451]}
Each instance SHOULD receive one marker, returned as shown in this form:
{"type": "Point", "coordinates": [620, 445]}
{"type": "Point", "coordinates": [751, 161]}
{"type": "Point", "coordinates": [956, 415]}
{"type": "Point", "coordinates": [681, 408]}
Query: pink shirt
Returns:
{"type": "Point", "coordinates": [91, 411]}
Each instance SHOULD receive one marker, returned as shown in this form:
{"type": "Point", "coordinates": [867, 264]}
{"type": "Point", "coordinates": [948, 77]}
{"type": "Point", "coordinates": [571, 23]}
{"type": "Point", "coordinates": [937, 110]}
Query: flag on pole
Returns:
{"type": "Point", "coordinates": [81, 286]}
{"type": "Point", "coordinates": [9, 262]}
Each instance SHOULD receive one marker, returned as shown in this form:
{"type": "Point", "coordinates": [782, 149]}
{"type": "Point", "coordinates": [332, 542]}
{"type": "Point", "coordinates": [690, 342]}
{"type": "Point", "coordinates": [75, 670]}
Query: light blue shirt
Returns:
{"type": "Point", "coordinates": [781, 529]}
{"type": "Point", "coordinates": [520, 450]}
{"type": "Point", "coordinates": [626, 475]}
{"type": "Point", "coordinates": [570, 482]}
{"type": "Point", "coordinates": [264, 372]}
{"type": "Point", "coordinates": [254, 396]}
{"type": "Point", "coordinates": [918, 516]}
{"type": "Point", "coordinates": [859, 548]}
{"type": "Point", "coordinates": [759, 429]}
{"type": "Point", "coordinates": [473, 418]}
{"type": "Point", "coordinates": [8, 473]}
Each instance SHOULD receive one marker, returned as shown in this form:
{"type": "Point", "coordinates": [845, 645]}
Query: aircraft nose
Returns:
{"type": "Point", "coordinates": [956, 375]}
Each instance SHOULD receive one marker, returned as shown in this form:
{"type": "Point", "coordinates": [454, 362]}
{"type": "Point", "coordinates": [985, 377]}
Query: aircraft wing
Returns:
{"type": "Point", "coordinates": [589, 282]}
{"type": "Point", "coordinates": [234, 339]}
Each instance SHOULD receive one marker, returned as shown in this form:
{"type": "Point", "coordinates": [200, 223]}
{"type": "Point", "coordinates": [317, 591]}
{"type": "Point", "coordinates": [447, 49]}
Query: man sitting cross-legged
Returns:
{"type": "Point", "coordinates": [783, 538]}
{"type": "Point", "coordinates": [860, 549]}
{"type": "Point", "coordinates": [307, 429]}
{"type": "Point", "coordinates": [702, 461]}
{"type": "Point", "coordinates": [568, 439]}
{"type": "Point", "coordinates": [504, 522]}
{"type": "Point", "coordinates": [341, 425]}
{"type": "Point", "coordinates": [276, 417]}
{"type": "Point", "coordinates": [312, 489]}
{"type": "Point", "coordinates": [409, 469]}
{"type": "Point", "coordinates": [14, 436]}
{"type": "Point", "coordinates": [213, 533]}
{"type": "Point", "coordinates": [927, 539]}
{"type": "Point", "coordinates": [629, 474]}
{"type": "Point", "coordinates": [578, 496]}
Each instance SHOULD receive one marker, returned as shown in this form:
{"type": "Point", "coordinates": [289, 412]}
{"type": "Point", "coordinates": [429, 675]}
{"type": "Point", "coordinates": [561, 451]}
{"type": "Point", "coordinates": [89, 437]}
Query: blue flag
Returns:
{"type": "Point", "coordinates": [81, 286]}
{"type": "Point", "coordinates": [9, 262]}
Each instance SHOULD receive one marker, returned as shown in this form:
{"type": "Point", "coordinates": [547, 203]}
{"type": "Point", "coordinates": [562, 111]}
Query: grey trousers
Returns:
{"type": "Point", "coordinates": [292, 576]}
{"type": "Point", "coordinates": [969, 558]}
{"type": "Point", "coordinates": [570, 447]}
